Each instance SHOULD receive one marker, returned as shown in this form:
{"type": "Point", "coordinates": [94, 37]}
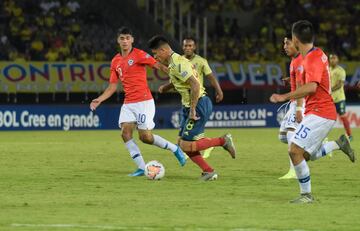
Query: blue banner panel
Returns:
{"type": "Point", "coordinates": [74, 117]}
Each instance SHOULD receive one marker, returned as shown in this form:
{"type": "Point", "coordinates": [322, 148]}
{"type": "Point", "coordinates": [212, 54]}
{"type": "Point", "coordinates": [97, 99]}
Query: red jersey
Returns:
{"type": "Point", "coordinates": [316, 69]}
{"type": "Point", "coordinates": [296, 72]}
{"type": "Point", "coordinates": [131, 71]}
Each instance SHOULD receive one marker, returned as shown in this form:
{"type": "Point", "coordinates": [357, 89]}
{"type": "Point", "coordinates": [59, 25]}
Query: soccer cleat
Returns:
{"type": "Point", "coordinates": [138, 172]}
{"type": "Point", "coordinates": [344, 145]}
{"type": "Point", "coordinates": [305, 198]}
{"type": "Point", "coordinates": [290, 175]}
{"type": "Point", "coordinates": [209, 176]}
{"type": "Point", "coordinates": [207, 152]}
{"type": "Point", "coordinates": [229, 145]}
{"type": "Point", "coordinates": [179, 154]}
{"type": "Point", "coordinates": [330, 154]}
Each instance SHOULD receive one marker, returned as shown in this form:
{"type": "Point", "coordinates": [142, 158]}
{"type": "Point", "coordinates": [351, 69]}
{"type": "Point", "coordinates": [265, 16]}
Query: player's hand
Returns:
{"type": "Point", "coordinates": [161, 89]}
{"type": "Point", "coordinates": [192, 115]}
{"type": "Point", "coordinates": [285, 80]}
{"type": "Point", "coordinates": [94, 104]}
{"type": "Point", "coordinates": [219, 96]}
{"type": "Point", "coordinates": [277, 98]}
{"type": "Point", "coordinates": [299, 116]}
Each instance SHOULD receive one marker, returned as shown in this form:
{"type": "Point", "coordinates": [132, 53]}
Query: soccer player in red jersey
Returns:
{"type": "Point", "coordinates": [295, 110]}
{"type": "Point", "coordinates": [138, 110]}
{"type": "Point", "coordinates": [320, 112]}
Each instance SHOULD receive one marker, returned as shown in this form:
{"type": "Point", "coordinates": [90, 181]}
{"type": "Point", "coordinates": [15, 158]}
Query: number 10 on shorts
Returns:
{"type": "Point", "coordinates": [303, 132]}
{"type": "Point", "coordinates": [141, 118]}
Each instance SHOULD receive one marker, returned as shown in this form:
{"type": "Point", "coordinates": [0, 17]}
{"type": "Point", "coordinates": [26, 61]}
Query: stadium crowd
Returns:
{"type": "Point", "coordinates": [64, 30]}
{"type": "Point", "coordinates": [52, 31]}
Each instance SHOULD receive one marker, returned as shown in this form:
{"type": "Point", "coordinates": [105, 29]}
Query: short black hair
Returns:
{"type": "Point", "coordinates": [157, 41]}
{"type": "Point", "coordinates": [189, 37]}
{"type": "Point", "coordinates": [288, 36]}
{"type": "Point", "coordinates": [304, 31]}
{"type": "Point", "coordinates": [124, 30]}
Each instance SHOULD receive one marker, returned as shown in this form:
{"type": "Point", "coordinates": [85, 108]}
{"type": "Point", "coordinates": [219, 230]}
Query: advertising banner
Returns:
{"type": "Point", "coordinates": [74, 117]}
{"type": "Point", "coordinates": [41, 77]}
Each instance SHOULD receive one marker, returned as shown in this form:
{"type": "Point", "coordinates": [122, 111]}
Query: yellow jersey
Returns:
{"type": "Point", "coordinates": [180, 70]}
{"type": "Point", "coordinates": [202, 67]}
{"type": "Point", "coordinates": [337, 73]}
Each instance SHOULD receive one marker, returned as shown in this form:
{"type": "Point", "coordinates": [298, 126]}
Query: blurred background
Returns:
{"type": "Point", "coordinates": [58, 52]}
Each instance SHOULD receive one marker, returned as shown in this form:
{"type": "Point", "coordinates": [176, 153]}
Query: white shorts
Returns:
{"type": "Point", "coordinates": [311, 132]}
{"type": "Point", "coordinates": [141, 113]}
{"type": "Point", "coordinates": [289, 120]}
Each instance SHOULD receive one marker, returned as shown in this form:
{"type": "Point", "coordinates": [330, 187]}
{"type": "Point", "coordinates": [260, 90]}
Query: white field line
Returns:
{"type": "Point", "coordinates": [67, 226]}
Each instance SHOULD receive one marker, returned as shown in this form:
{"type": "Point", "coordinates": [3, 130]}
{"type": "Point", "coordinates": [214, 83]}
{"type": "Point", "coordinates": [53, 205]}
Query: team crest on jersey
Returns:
{"type": "Point", "coordinates": [324, 58]}
{"type": "Point", "coordinates": [130, 62]}
{"type": "Point", "coordinates": [300, 69]}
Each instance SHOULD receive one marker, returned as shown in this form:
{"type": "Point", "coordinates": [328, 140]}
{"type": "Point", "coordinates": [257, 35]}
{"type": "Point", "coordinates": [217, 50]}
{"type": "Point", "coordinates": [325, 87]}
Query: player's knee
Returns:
{"type": "Point", "coordinates": [283, 138]}
{"type": "Point", "coordinates": [186, 146]}
{"type": "Point", "coordinates": [126, 135]}
{"type": "Point", "coordinates": [146, 138]}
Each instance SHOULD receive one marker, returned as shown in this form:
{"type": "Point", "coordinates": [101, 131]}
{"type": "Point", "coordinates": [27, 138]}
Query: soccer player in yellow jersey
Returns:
{"type": "Point", "coordinates": [201, 66]}
{"type": "Point", "coordinates": [204, 70]}
{"type": "Point", "coordinates": [196, 106]}
{"type": "Point", "coordinates": [338, 75]}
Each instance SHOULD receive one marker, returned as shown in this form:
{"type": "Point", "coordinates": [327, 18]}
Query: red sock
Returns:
{"type": "Point", "coordinates": [206, 143]}
{"type": "Point", "coordinates": [346, 123]}
{"type": "Point", "coordinates": [199, 160]}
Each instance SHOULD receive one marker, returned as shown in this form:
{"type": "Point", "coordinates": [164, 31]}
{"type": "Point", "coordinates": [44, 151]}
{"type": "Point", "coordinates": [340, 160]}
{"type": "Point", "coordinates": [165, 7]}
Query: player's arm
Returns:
{"type": "Point", "coordinates": [304, 90]}
{"type": "Point", "coordinates": [215, 84]}
{"type": "Point", "coordinates": [166, 87]}
{"type": "Point", "coordinates": [299, 105]}
{"type": "Point", "coordinates": [339, 84]}
{"type": "Point", "coordinates": [194, 96]}
{"type": "Point", "coordinates": [213, 81]}
{"type": "Point", "coordinates": [109, 91]}
{"type": "Point", "coordinates": [161, 67]}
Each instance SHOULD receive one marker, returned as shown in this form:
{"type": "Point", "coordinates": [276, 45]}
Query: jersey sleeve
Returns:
{"type": "Point", "coordinates": [342, 75]}
{"type": "Point", "coordinates": [314, 70]}
{"type": "Point", "coordinates": [184, 70]}
{"type": "Point", "coordinates": [114, 78]}
{"type": "Point", "coordinates": [207, 69]}
{"type": "Point", "coordinates": [146, 59]}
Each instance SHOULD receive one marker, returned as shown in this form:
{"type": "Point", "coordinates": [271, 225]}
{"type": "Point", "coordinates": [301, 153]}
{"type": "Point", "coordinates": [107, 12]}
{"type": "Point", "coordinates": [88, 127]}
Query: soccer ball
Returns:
{"type": "Point", "coordinates": [154, 170]}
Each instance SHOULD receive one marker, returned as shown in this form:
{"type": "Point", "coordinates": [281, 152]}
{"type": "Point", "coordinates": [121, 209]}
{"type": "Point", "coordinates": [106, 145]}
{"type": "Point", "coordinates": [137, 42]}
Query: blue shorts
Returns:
{"type": "Point", "coordinates": [340, 107]}
{"type": "Point", "coordinates": [194, 130]}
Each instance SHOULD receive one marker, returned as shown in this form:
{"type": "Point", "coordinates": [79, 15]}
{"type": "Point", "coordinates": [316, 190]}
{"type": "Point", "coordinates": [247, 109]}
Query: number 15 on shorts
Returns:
{"type": "Point", "coordinates": [303, 132]}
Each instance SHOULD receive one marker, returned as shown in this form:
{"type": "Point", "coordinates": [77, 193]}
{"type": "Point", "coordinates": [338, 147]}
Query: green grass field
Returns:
{"type": "Point", "coordinates": [78, 180]}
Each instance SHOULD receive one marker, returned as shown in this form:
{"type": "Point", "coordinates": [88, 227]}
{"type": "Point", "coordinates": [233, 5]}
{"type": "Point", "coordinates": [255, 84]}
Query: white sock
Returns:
{"type": "Point", "coordinates": [325, 149]}
{"type": "Point", "coordinates": [162, 143]}
{"type": "Point", "coordinates": [303, 174]}
{"type": "Point", "coordinates": [283, 139]}
{"type": "Point", "coordinates": [289, 135]}
{"type": "Point", "coordinates": [135, 153]}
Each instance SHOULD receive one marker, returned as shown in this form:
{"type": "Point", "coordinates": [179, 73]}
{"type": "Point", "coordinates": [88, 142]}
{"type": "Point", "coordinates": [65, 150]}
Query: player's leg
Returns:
{"type": "Point", "coordinates": [145, 112]}
{"type": "Point", "coordinates": [193, 139]}
{"type": "Point", "coordinates": [291, 174]}
{"type": "Point", "coordinates": [305, 144]}
{"type": "Point", "coordinates": [342, 143]}
{"type": "Point", "coordinates": [147, 137]}
{"type": "Point", "coordinates": [127, 124]}
{"type": "Point", "coordinates": [341, 110]}
{"type": "Point", "coordinates": [286, 132]}
{"type": "Point", "coordinates": [303, 174]}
